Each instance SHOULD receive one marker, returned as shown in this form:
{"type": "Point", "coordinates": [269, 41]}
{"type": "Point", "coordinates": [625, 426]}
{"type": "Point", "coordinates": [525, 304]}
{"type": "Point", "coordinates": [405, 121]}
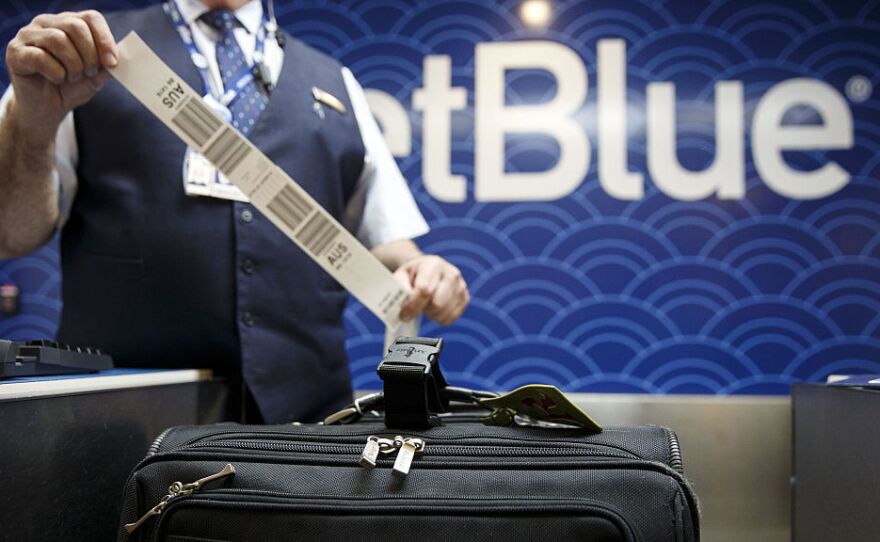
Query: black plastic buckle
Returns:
{"type": "Point", "coordinates": [413, 383]}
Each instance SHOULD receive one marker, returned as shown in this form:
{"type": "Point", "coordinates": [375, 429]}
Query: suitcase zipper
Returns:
{"type": "Point", "coordinates": [672, 456]}
{"type": "Point", "coordinates": [407, 449]}
{"type": "Point", "coordinates": [319, 441]}
{"type": "Point", "coordinates": [306, 437]}
{"type": "Point", "coordinates": [237, 499]}
{"type": "Point", "coordinates": [157, 442]}
{"type": "Point", "coordinates": [179, 489]}
{"type": "Point", "coordinates": [675, 460]}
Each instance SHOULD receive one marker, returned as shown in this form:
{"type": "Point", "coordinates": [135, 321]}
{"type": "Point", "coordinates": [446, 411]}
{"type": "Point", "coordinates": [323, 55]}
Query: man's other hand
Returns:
{"type": "Point", "coordinates": [438, 289]}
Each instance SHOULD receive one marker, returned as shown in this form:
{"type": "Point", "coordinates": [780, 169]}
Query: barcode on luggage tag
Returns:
{"type": "Point", "coordinates": [290, 207]}
{"type": "Point", "coordinates": [197, 121]}
{"type": "Point", "coordinates": [228, 150]}
{"type": "Point", "coordinates": [317, 235]}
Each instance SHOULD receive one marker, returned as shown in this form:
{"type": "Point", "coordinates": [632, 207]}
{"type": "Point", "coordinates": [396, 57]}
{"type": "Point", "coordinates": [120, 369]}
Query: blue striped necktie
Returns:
{"type": "Point", "coordinates": [251, 101]}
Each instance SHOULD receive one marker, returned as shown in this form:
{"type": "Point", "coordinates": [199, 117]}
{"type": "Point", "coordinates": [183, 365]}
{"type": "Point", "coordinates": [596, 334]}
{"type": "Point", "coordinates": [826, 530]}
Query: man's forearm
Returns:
{"type": "Point", "coordinates": [28, 197]}
{"type": "Point", "coordinates": [396, 253]}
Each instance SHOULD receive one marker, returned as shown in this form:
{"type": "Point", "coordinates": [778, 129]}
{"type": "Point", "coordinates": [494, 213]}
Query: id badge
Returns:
{"type": "Point", "coordinates": [200, 177]}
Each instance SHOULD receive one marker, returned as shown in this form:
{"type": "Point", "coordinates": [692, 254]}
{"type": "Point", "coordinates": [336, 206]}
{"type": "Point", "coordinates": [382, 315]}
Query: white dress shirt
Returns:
{"type": "Point", "coordinates": [381, 209]}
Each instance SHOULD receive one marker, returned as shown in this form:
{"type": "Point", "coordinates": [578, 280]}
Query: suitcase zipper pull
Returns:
{"type": "Point", "coordinates": [370, 453]}
{"type": "Point", "coordinates": [375, 446]}
{"type": "Point", "coordinates": [407, 449]}
{"type": "Point", "coordinates": [176, 490]}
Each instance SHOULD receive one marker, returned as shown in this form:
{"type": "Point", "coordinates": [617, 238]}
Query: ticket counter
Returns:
{"type": "Point", "coordinates": [68, 444]}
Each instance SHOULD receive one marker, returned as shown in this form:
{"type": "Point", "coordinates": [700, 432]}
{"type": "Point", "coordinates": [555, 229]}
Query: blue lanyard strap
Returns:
{"type": "Point", "coordinates": [201, 63]}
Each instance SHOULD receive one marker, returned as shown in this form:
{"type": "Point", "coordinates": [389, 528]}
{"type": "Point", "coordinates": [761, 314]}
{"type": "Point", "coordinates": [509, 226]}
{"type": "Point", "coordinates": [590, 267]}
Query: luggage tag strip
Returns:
{"type": "Point", "coordinates": [538, 402]}
{"type": "Point", "coordinates": [269, 188]}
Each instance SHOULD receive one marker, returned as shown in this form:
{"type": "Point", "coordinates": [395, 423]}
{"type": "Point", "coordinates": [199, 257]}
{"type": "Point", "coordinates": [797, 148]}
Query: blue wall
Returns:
{"type": "Point", "coordinates": [724, 294]}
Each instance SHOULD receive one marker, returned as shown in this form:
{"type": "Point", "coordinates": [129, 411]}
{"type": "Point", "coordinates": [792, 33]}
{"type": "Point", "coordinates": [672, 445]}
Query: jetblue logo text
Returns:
{"type": "Point", "coordinates": [438, 100]}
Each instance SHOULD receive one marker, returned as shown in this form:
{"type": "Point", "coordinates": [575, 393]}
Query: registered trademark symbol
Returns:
{"type": "Point", "coordinates": [859, 88]}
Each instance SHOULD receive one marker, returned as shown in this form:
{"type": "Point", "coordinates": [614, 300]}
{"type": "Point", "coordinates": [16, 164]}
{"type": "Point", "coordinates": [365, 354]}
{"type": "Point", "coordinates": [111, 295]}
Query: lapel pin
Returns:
{"type": "Point", "coordinates": [329, 100]}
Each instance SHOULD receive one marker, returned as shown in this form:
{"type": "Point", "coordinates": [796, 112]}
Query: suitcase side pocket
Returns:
{"type": "Point", "coordinates": [251, 516]}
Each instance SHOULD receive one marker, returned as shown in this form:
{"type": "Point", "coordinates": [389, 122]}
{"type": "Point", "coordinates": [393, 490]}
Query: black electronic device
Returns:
{"type": "Point", "coordinates": [47, 358]}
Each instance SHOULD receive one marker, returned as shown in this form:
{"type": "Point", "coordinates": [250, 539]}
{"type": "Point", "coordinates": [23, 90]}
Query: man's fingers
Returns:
{"type": "Point", "coordinates": [70, 40]}
{"type": "Point", "coordinates": [463, 301]}
{"type": "Point", "coordinates": [100, 80]}
{"type": "Point", "coordinates": [439, 290]}
{"type": "Point", "coordinates": [418, 300]}
{"type": "Point", "coordinates": [55, 42]}
{"type": "Point", "coordinates": [425, 276]}
{"type": "Point", "coordinates": [29, 60]}
{"type": "Point", "coordinates": [444, 296]}
{"type": "Point", "coordinates": [102, 36]}
{"type": "Point", "coordinates": [455, 311]}
{"type": "Point", "coordinates": [447, 308]}
{"type": "Point", "coordinates": [81, 35]}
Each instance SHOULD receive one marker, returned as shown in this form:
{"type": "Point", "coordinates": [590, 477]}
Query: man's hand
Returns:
{"type": "Point", "coordinates": [438, 288]}
{"type": "Point", "coordinates": [56, 63]}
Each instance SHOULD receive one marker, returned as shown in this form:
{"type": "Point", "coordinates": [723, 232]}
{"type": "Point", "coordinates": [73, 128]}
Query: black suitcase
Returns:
{"type": "Point", "coordinates": [442, 477]}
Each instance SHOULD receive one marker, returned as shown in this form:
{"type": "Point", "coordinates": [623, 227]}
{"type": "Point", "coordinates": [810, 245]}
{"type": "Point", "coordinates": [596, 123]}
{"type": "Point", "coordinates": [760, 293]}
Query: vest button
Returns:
{"type": "Point", "coordinates": [248, 266]}
{"type": "Point", "coordinates": [248, 319]}
{"type": "Point", "coordinates": [247, 216]}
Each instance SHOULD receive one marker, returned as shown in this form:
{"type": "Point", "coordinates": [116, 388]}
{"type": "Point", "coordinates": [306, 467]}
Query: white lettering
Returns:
{"type": "Point", "coordinates": [770, 138]}
{"type": "Point", "coordinates": [495, 119]}
{"type": "Point", "coordinates": [438, 99]}
{"type": "Point", "coordinates": [392, 118]}
{"type": "Point", "coordinates": [614, 176]}
{"type": "Point", "coordinates": [726, 175]}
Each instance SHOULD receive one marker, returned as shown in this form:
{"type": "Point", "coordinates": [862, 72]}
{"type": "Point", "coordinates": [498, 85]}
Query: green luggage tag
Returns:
{"type": "Point", "coordinates": [539, 402]}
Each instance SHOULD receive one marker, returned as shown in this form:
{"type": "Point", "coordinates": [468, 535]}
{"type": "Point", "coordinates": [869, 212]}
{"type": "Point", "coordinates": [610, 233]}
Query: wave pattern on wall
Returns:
{"type": "Point", "coordinates": [595, 294]}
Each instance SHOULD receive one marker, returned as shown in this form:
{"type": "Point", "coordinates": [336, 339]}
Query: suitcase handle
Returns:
{"type": "Point", "coordinates": [375, 403]}
{"type": "Point", "coordinates": [415, 390]}
{"type": "Point", "coordinates": [412, 379]}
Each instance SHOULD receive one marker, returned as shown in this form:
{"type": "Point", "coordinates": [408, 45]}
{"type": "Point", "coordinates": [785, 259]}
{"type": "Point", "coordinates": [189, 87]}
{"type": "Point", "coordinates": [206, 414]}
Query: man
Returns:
{"type": "Point", "coordinates": [158, 277]}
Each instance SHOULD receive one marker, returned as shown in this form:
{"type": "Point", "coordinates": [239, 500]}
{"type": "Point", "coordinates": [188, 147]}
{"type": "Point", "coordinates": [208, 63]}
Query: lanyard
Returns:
{"type": "Point", "coordinates": [201, 63]}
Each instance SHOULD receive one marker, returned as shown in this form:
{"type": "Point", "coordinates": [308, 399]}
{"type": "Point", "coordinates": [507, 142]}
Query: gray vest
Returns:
{"type": "Point", "coordinates": [160, 279]}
